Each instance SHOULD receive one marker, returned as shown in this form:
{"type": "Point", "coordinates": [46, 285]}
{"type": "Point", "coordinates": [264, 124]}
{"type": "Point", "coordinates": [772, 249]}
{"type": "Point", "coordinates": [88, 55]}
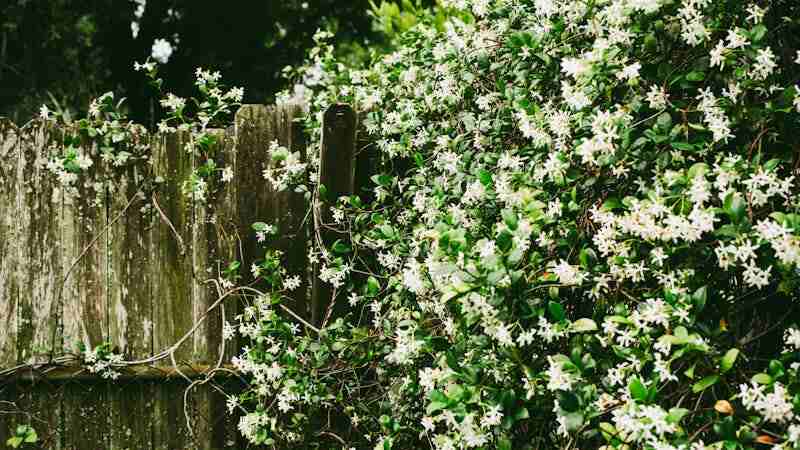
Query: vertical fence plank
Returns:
{"type": "Point", "coordinates": [214, 247]}
{"type": "Point", "coordinates": [337, 174]}
{"type": "Point", "coordinates": [43, 400]}
{"type": "Point", "coordinates": [72, 333]}
{"type": "Point", "coordinates": [171, 247]}
{"type": "Point", "coordinates": [39, 263]}
{"type": "Point", "coordinates": [130, 304]}
{"type": "Point", "coordinates": [85, 292]}
{"type": "Point", "coordinates": [170, 429]}
{"type": "Point", "coordinates": [86, 415]}
{"type": "Point", "coordinates": [86, 299]}
{"type": "Point", "coordinates": [172, 284]}
{"type": "Point", "coordinates": [222, 236]}
{"type": "Point", "coordinates": [367, 161]}
{"type": "Point", "coordinates": [129, 272]}
{"type": "Point", "coordinates": [205, 340]}
{"type": "Point", "coordinates": [9, 241]}
{"type": "Point", "coordinates": [255, 130]}
{"type": "Point", "coordinates": [295, 223]}
{"type": "Point", "coordinates": [257, 126]}
{"type": "Point", "coordinates": [131, 415]}
{"type": "Point", "coordinates": [208, 253]}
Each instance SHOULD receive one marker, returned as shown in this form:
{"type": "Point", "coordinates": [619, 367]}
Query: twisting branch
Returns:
{"type": "Point", "coordinates": [169, 223]}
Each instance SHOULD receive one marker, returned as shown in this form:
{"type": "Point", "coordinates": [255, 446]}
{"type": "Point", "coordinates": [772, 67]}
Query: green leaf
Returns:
{"type": "Point", "coordinates": [727, 361]}
{"type": "Point", "coordinates": [689, 372]}
{"type": "Point", "coordinates": [510, 219]}
{"type": "Point", "coordinates": [761, 378]}
{"type": "Point", "coordinates": [587, 258]}
{"type": "Point", "coordinates": [438, 402]}
{"type": "Point", "coordinates": [608, 430]}
{"type": "Point", "coordinates": [695, 76]}
{"type": "Point", "coordinates": [699, 298]}
{"type": "Point", "coordinates": [776, 369]}
{"type": "Point", "coordinates": [584, 325]}
{"type": "Point", "coordinates": [770, 165]}
{"type": "Point", "coordinates": [568, 401]}
{"type": "Point", "coordinates": [638, 390]}
{"type": "Point", "coordinates": [485, 177]}
{"type": "Point", "coordinates": [698, 169]}
{"type": "Point", "coordinates": [14, 442]}
{"type": "Point", "coordinates": [259, 226]}
{"type": "Point", "coordinates": [683, 146]}
{"type": "Point", "coordinates": [556, 311]}
{"type": "Point", "coordinates": [758, 32]}
{"type": "Point", "coordinates": [726, 429]}
{"type": "Point", "coordinates": [456, 392]}
{"type": "Point", "coordinates": [676, 414]}
{"type": "Point", "coordinates": [32, 436]}
{"type": "Point", "coordinates": [734, 206]}
{"type": "Point", "coordinates": [611, 204]}
{"type": "Point", "coordinates": [373, 286]}
{"type": "Point", "coordinates": [705, 383]}
{"type": "Point", "coordinates": [664, 121]}
{"type": "Point", "coordinates": [382, 180]}
{"type": "Point", "coordinates": [341, 247]}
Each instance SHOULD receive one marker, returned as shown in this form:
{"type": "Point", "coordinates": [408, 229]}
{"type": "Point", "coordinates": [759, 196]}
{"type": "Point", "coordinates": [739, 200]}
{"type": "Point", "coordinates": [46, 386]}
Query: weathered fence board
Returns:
{"type": "Point", "coordinates": [130, 277]}
{"type": "Point", "coordinates": [128, 262]}
{"type": "Point", "coordinates": [257, 127]}
{"type": "Point", "coordinates": [87, 418]}
{"type": "Point", "coordinates": [131, 409]}
{"type": "Point", "coordinates": [38, 263]}
{"type": "Point", "coordinates": [337, 174]}
{"type": "Point", "coordinates": [9, 242]}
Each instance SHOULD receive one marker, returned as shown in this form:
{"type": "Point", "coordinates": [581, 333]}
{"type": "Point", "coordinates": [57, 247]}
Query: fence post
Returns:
{"type": "Point", "coordinates": [337, 175]}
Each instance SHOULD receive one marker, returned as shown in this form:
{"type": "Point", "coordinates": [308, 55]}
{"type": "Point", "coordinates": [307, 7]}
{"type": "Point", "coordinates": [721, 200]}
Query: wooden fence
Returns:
{"type": "Point", "coordinates": [129, 266]}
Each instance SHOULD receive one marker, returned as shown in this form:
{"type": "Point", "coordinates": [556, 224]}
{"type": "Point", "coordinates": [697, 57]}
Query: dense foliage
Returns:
{"type": "Point", "coordinates": [583, 234]}
{"type": "Point", "coordinates": [583, 231]}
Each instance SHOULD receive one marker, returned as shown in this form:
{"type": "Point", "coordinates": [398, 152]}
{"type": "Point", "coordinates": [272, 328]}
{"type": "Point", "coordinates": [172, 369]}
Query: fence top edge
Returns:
{"type": "Point", "coordinates": [6, 123]}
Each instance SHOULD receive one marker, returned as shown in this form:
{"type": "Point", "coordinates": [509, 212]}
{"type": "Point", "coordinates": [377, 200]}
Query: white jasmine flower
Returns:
{"type": "Point", "coordinates": [629, 72]}
{"type": "Point", "coordinates": [568, 274]}
{"type": "Point", "coordinates": [657, 97]}
{"type": "Point", "coordinates": [162, 50]}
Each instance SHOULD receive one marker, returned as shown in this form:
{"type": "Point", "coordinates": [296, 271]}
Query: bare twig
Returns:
{"type": "Point", "coordinates": [169, 223]}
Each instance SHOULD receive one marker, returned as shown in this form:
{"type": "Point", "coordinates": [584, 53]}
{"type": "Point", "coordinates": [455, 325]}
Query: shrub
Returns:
{"type": "Point", "coordinates": [583, 234]}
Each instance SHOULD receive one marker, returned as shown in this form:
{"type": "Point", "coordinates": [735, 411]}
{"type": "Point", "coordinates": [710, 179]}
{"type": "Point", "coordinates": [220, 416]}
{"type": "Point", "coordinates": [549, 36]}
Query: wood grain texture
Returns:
{"type": "Point", "coordinates": [337, 175]}
{"type": "Point", "coordinates": [257, 126]}
{"type": "Point", "coordinates": [222, 237]}
{"type": "Point", "coordinates": [130, 308]}
{"type": "Point", "coordinates": [9, 241]}
{"type": "Point", "coordinates": [87, 418]}
{"type": "Point", "coordinates": [85, 255]}
{"type": "Point", "coordinates": [171, 248]}
{"type": "Point", "coordinates": [39, 239]}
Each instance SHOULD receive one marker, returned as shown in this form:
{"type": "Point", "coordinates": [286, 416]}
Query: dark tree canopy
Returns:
{"type": "Point", "coordinates": [66, 52]}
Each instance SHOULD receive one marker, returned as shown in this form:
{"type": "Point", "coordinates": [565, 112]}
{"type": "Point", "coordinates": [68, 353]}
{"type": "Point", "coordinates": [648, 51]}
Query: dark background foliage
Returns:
{"type": "Point", "coordinates": [65, 52]}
